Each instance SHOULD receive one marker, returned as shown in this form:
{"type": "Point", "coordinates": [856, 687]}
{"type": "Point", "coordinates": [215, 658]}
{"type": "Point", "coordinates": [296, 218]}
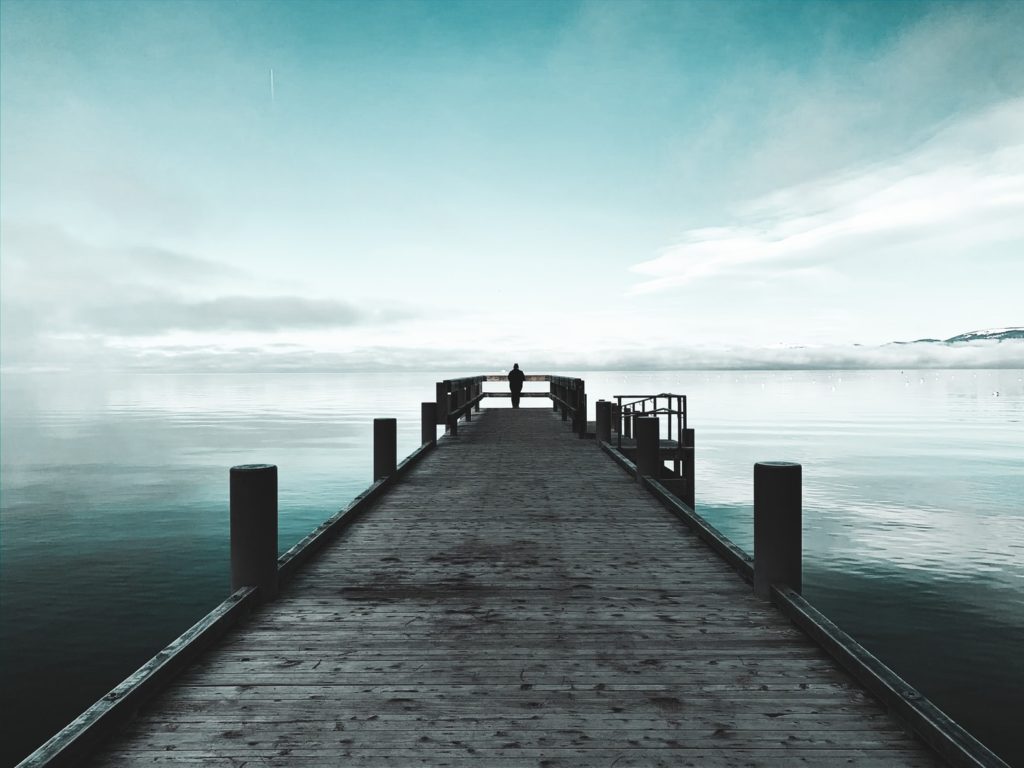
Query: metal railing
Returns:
{"type": "Point", "coordinates": [630, 407]}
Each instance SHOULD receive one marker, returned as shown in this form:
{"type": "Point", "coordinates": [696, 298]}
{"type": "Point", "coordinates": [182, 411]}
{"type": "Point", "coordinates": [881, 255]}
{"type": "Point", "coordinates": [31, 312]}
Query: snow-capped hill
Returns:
{"type": "Point", "coordinates": [991, 334]}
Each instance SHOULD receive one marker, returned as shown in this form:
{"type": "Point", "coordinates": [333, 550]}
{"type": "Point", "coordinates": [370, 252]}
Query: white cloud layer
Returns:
{"type": "Point", "coordinates": [961, 191]}
{"type": "Point", "coordinates": [60, 295]}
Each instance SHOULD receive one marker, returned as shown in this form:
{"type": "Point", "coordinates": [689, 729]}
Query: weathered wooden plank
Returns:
{"type": "Point", "coordinates": [220, 716]}
{"type": "Point", "coordinates": [314, 737]}
{"type": "Point", "coordinates": [476, 758]}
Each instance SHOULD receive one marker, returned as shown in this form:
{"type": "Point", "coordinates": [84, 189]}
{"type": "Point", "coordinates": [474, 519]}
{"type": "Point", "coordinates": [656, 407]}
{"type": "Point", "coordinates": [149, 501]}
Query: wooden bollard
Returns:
{"type": "Point", "coordinates": [441, 392]}
{"type": "Point", "coordinates": [688, 468]}
{"type": "Point", "coordinates": [253, 502]}
{"type": "Point", "coordinates": [385, 449]}
{"type": "Point", "coordinates": [453, 420]}
{"type": "Point", "coordinates": [777, 526]}
{"type": "Point", "coordinates": [604, 420]}
{"type": "Point", "coordinates": [580, 404]}
{"type": "Point", "coordinates": [428, 423]}
{"type": "Point", "coordinates": [616, 417]}
{"type": "Point", "coordinates": [627, 422]}
{"type": "Point", "coordinates": [648, 443]}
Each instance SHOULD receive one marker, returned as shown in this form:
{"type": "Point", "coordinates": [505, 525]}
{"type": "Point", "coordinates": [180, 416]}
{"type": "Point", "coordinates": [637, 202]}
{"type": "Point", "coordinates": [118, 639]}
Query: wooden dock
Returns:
{"type": "Point", "coordinates": [516, 599]}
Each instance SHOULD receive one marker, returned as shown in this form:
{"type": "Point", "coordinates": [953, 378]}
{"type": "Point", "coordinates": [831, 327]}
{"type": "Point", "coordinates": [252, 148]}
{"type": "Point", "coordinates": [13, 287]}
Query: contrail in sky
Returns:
{"type": "Point", "coordinates": [272, 85]}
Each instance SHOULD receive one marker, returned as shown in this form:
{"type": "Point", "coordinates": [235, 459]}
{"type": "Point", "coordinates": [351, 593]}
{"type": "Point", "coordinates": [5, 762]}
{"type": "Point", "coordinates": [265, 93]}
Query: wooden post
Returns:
{"type": "Point", "coordinates": [428, 422]}
{"type": "Point", "coordinates": [648, 444]}
{"type": "Point", "coordinates": [687, 469]}
{"type": "Point", "coordinates": [453, 405]}
{"type": "Point", "coordinates": [253, 504]}
{"type": "Point", "coordinates": [581, 408]}
{"type": "Point", "coordinates": [442, 401]}
{"type": "Point", "coordinates": [627, 422]}
{"type": "Point", "coordinates": [385, 451]}
{"type": "Point", "coordinates": [616, 422]}
{"type": "Point", "coordinates": [777, 526]}
{"type": "Point", "coordinates": [604, 421]}
{"type": "Point", "coordinates": [553, 390]}
{"type": "Point", "coordinates": [478, 391]}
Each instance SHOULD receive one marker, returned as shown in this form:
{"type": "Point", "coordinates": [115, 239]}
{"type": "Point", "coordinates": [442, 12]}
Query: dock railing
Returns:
{"type": "Point", "coordinates": [459, 398]}
{"type": "Point", "coordinates": [675, 444]}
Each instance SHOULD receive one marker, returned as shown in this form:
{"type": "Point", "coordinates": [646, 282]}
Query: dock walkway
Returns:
{"type": "Point", "coordinates": [515, 600]}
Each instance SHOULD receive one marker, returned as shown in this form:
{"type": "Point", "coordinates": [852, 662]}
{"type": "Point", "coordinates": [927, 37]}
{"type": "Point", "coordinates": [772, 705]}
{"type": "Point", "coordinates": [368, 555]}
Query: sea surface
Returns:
{"type": "Point", "coordinates": [114, 518]}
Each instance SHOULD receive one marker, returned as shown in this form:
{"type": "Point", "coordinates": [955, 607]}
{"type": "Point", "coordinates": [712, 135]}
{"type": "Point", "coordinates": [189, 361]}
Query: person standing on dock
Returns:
{"type": "Point", "coordinates": [515, 383]}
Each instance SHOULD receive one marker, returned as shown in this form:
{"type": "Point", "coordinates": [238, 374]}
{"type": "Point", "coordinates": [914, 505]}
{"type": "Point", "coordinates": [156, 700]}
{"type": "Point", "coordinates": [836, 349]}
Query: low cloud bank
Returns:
{"type": "Point", "coordinates": [978, 354]}
{"type": "Point", "coordinates": [91, 353]}
{"type": "Point", "coordinates": [61, 297]}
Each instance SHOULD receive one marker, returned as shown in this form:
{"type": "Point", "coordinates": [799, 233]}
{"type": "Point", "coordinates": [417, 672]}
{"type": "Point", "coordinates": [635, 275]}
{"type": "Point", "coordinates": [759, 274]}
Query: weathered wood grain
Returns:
{"type": "Point", "coordinates": [516, 600]}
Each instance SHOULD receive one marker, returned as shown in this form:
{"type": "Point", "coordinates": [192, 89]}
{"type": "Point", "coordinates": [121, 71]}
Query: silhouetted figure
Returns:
{"type": "Point", "coordinates": [515, 383]}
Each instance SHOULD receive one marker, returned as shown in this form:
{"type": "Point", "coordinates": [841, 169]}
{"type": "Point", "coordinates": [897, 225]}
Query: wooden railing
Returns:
{"type": "Point", "coordinates": [459, 398]}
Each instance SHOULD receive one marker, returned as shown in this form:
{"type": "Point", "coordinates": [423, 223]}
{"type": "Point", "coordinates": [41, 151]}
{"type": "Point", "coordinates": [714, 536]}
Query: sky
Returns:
{"type": "Point", "coordinates": [347, 185]}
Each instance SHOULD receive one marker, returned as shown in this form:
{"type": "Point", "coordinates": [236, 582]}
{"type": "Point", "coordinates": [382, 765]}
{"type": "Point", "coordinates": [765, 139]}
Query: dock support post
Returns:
{"type": "Point", "coordinates": [688, 468]}
{"type": "Point", "coordinates": [604, 421]}
{"type": "Point", "coordinates": [627, 422]}
{"type": "Point", "coordinates": [441, 392]}
{"type": "Point", "coordinates": [648, 443]}
{"type": "Point", "coordinates": [428, 423]}
{"type": "Point", "coordinates": [385, 451]}
{"type": "Point", "coordinates": [253, 503]}
{"type": "Point", "coordinates": [616, 417]}
{"type": "Point", "coordinates": [453, 420]}
{"type": "Point", "coordinates": [777, 526]}
{"type": "Point", "coordinates": [580, 424]}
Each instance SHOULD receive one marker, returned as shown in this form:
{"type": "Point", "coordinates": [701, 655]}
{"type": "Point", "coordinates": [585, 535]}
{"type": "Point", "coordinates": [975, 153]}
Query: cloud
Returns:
{"type": "Point", "coordinates": [60, 296]}
{"type": "Point", "coordinates": [228, 313]}
{"type": "Point", "coordinates": [960, 191]}
{"type": "Point", "coordinates": [94, 354]}
{"type": "Point", "coordinates": [45, 263]}
{"type": "Point", "coordinates": [981, 354]}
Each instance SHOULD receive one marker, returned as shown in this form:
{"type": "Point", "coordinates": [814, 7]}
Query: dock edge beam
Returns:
{"type": "Point", "coordinates": [77, 740]}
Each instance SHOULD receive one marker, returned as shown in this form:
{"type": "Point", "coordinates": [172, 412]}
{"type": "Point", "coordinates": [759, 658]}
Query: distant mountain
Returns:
{"type": "Point", "coordinates": [991, 334]}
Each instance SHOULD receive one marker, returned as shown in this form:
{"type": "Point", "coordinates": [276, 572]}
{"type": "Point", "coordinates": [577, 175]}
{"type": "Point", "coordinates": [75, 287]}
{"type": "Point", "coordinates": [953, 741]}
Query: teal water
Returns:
{"type": "Point", "coordinates": [113, 514]}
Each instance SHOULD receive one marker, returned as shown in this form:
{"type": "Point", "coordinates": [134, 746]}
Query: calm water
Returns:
{"type": "Point", "coordinates": [114, 511]}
